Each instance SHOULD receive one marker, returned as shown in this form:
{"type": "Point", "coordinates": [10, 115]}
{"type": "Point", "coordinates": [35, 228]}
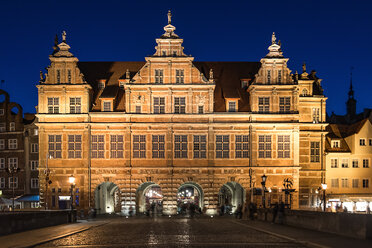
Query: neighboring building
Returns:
{"type": "Point", "coordinates": [13, 147]}
{"type": "Point", "coordinates": [349, 158]}
{"type": "Point", "coordinates": [173, 130]}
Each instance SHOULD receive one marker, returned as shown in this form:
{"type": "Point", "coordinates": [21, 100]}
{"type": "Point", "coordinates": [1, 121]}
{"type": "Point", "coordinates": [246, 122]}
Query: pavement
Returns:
{"type": "Point", "coordinates": [39, 236]}
{"type": "Point", "coordinates": [177, 232]}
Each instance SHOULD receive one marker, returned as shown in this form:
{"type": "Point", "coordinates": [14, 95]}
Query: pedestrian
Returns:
{"type": "Point", "coordinates": [368, 209]}
{"type": "Point", "coordinates": [239, 211]}
{"type": "Point", "coordinates": [251, 211]}
{"type": "Point", "coordinates": [192, 210]}
{"type": "Point", "coordinates": [275, 211]}
{"type": "Point", "coordinates": [222, 210]}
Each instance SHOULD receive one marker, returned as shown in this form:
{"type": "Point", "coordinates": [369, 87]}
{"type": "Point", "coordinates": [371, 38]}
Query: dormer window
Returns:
{"type": "Point", "coordinates": [101, 84]}
{"type": "Point", "coordinates": [232, 106]}
{"type": "Point", "coordinates": [58, 76]}
{"type": "Point", "coordinates": [107, 106]}
{"type": "Point", "coordinates": [174, 53]}
{"type": "Point", "coordinates": [179, 77]}
{"type": "Point", "coordinates": [244, 83]}
{"type": "Point", "coordinates": [164, 53]}
{"type": "Point", "coordinates": [158, 76]}
{"type": "Point", "coordinates": [121, 84]}
{"type": "Point", "coordinates": [1, 111]}
{"type": "Point", "coordinates": [335, 143]}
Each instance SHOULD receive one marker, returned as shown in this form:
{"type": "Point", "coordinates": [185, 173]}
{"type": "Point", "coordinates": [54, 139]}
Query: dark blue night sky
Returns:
{"type": "Point", "coordinates": [331, 36]}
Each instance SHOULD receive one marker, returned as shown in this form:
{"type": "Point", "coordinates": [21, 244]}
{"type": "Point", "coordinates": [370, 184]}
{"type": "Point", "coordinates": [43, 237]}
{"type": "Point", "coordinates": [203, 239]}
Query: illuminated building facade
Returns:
{"type": "Point", "coordinates": [348, 159]}
{"type": "Point", "coordinates": [176, 125]}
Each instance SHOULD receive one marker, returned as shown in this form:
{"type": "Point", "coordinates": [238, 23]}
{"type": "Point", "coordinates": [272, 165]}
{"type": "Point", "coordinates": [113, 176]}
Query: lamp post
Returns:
{"type": "Point", "coordinates": [71, 180]}
{"type": "Point", "coordinates": [324, 187]}
{"type": "Point", "coordinates": [47, 180]}
{"type": "Point", "coordinates": [11, 170]}
{"type": "Point", "coordinates": [264, 178]}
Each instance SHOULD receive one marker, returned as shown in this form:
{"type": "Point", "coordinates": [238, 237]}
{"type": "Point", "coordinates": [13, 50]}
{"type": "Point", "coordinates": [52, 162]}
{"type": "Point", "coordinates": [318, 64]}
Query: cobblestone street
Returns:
{"type": "Point", "coordinates": [173, 232]}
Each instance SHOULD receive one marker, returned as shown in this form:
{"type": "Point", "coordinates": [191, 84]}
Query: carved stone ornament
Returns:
{"type": "Point", "coordinates": [139, 99]}
{"type": "Point", "coordinates": [274, 92]}
{"type": "Point", "coordinates": [200, 100]}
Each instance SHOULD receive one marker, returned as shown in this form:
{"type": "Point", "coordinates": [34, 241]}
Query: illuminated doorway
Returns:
{"type": "Point", "coordinates": [189, 195]}
{"type": "Point", "coordinates": [149, 199]}
{"type": "Point", "coordinates": [107, 198]}
{"type": "Point", "coordinates": [231, 195]}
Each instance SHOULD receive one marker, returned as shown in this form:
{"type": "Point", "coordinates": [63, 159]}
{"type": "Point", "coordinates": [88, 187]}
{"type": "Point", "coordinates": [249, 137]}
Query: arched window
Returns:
{"type": "Point", "coordinates": [304, 92]}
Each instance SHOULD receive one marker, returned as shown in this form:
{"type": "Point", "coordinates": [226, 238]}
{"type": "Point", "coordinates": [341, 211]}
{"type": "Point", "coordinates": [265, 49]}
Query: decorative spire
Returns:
{"type": "Point", "coordinates": [351, 91]}
{"type": "Point", "coordinates": [63, 48]}
{"type": "Point", "coordinates": [274, 50]}
{"type": "Point", "coordinates": [211, 75]}
{"type": "Point", "coordinates": [304, 74]}
{"type": "Point", "coordinates": [55, 47]}
{"type": "Point", "coordinates": [169, 29]}
{"type": "Point", "coordinates": [169, 17]}
{"type": "Point", "coordinates": [273, 39]}
{"type": "Point", "coordinates": [127, 74]}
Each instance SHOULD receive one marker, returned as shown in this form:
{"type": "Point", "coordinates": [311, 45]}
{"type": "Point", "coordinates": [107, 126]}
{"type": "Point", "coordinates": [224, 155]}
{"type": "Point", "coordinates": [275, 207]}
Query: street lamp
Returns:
{"type": "Point", "coordinates": [11, 170]}
{"type": "Point", "coordinates": [71, 180]}
{"type": "Point", "coordinates": [324, 187]}
{"type": "Point", "coordinates": [264, 178]}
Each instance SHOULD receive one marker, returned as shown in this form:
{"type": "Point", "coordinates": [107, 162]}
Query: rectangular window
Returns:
{"type": "Point", "coordinates": [200, 146]}
{"type": "Point", "coordinates": [335, 143]}
{"type": "Point", "coordinates": [1, 111]}
{"type": "Point", "coordinates": [180, 146]}
{"type": "Point", "coordinates": [284, 146]}
{"type": "Point", "coordinates": [232, 106]}
{"type": "Point", "coordinates": [158, 146]}
{"type": "Point", "coordinates": [106, 106]}
{"type": "Point", "coordinates": [334, 183]}
{"type": "Point", "coordinates": [55, 146]}
{"type": "Point", "coordinates": [74, 146]}
{"type": "Point", "coordinates": [315, 115]}
{"type": "Point", "coordinates": [58, 76]}
{"type": "Point", "coordinates": [116, 146]}
{"type": "Point", "coordinates": [98, 146]}
{"type": "Point", "coordinates": [355, 163]}
{"type": "Point", "coordinates": [365, 183]}
{"type": "Point", "coordinates": [344, 183]}
{"type": "Point", "coordinates": [264, 146]}
{"type": "Point", "coordinates": [159, 105]}
{"type": "Point", "coordinates": [268, 76]}
{"type": "Point", "coordinates": [12, 144]}
{"type": "Point", "coordinates": [138, 109]}
{"type": "Point", "coordinates": [222, 146]}
{"type": "Point", "coordinates": [2, 127]}
{"type": "Point", "coordinates": [345, 163]}
{"type": "Point", "coordinates": [279, 76]}
{"type": "Point", "coordinates": [362, 142]}
{"type": "Point", "coordinates": [34, 183]}
{"type": "Point", "coordinates": [53, 105]}
{"type": "Point", "coordinates": [75, 105]}
{"type": "Point", "coordinates": [139, 146]}
{"type": "Point", "coordinates": [370, 142]}
{"type": "Point", "coordinates": [158, 76]}
{"type": "Point", "coordinates": [36, 132]}
{"type": "Point", "coordinates": [365, 163]}
{"type": "Point", "coordinates": [355, 183]}
{"type": "Point", "coordinates": [2, 182]}
{"type": "Point", "coordinates": [263, 104]}
{"type": "Point", "coordinates": [13, 182]}
{"type": "Point", "coordinates": [2, 163]}
{"type": "Point", "coordinates": [34, 148]}
{"type": "Point", "coordinates": [179, 77]}
{"type": "Point", "coordinates": [241, 146]}
{"type": "Point", "coordinates": [69, 76]}
{"type": "Point", "coordinates": [334, 162]}
{"type": "Point", "coordinates": [284, 104]}
{"type": "Point", "coordinates": [201, 109]}
{"type": "Point", "coordinates": [315, 152]}
{"type": "Point", "coordinates": [101, 85]}
{"type": "Point", "coordinates": [2, 144]}
{"type": "Point", "coordinates": [179, 105]}
{"type": "Point", "coordinates": [12, 126]}
{"type": "Point", "coordinates": [34, 165]}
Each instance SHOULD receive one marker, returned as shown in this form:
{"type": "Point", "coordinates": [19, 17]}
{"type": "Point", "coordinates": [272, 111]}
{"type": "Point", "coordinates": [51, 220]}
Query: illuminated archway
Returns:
{"type": "Point", "coordinates": [231, 195]}
{"type": "Point", "coordinates": [190, 193]}
{"type": "Point", "coordinates": [149, 197]}
{"type": "Point", "coordinates": [107, 198]}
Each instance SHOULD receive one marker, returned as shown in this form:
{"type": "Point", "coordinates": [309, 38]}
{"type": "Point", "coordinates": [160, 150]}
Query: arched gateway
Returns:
{"type": "Point", "coordinates": [231, 195]}
{"type": "Point", "coordinates": [107, 198]}
{"type": "Point", "coordinates": [149, 196]}
{"type": "Point", "coordinates": [190, 193]}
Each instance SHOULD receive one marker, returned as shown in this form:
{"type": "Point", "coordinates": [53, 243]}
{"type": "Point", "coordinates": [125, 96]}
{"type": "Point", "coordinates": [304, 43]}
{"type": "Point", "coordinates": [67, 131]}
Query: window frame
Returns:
{"type": "Point", "coordinates": [158, 146]}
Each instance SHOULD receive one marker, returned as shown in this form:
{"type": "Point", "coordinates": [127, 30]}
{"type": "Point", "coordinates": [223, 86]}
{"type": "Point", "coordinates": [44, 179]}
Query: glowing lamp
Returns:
{"type": "Point", "coordinates": [324, 186]}
{"type": "Point", "coordinates": [71, 179]}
